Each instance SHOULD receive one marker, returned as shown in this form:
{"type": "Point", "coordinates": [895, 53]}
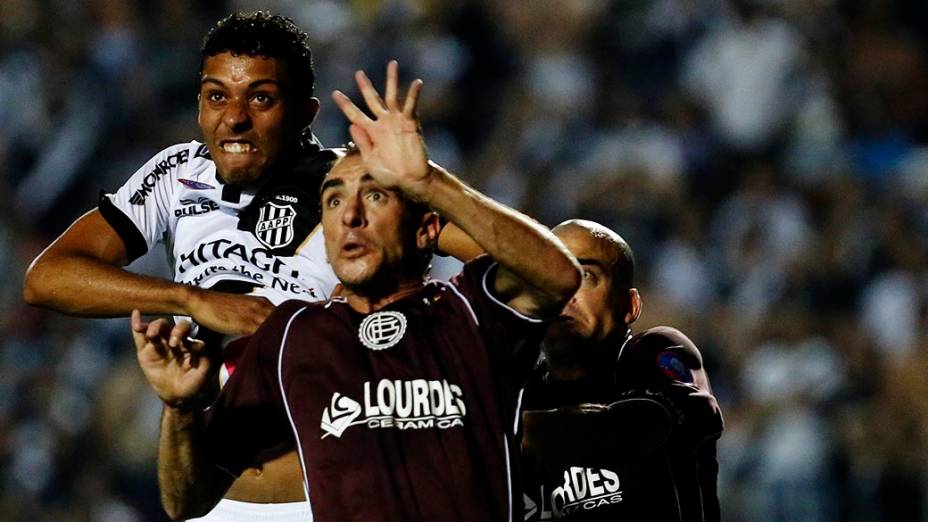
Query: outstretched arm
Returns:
{"type": "Point", "coordinates": [537, 276]}
{"type": "Point", "coordinates": [452, 241]}
{"type": "Point", "coordinates": [180, 373]}
{"type": "Point", "coordinates": [81, 274]}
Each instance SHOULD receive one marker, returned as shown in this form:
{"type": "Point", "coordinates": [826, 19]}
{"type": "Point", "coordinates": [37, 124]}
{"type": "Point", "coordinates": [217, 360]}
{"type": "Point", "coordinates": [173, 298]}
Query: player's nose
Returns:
{"type": "Point", "coordinates": [236, 116]}
{"type": "Point", "coordinates": [353, 214]}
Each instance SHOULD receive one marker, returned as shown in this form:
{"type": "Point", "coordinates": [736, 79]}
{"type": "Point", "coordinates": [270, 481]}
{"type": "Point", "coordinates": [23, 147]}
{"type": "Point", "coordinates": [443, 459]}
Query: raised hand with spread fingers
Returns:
{"type": "Point", "coordinates": [391, 142]}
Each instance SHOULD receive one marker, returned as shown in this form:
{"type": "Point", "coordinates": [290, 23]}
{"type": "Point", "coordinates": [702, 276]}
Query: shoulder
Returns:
{"type": "Point", "coordinates": [198, 158]}
{"type": "Point", "coordinates": [293, 308]}
{"type": "Point", "coordinates": [475, 269]}
{"type": "Point", "coordinates": [472, 282]}
{"type": "Point", "coordinates": [282, 318]}
{"type": "Point", "coordinates": [659, 355]}
{"type": "Point", "coordinates": [192, 152]}
{"type": "Point", "coordinates": [298, 312]}
{"type": "Point", "coordinates": [313, 165]}
{"type": "Point", "coordinates": [181, 159]}
{"type": "Point", "coordinates": [660, 338]}
{"type": "Point", "coordinates": [307, 174]}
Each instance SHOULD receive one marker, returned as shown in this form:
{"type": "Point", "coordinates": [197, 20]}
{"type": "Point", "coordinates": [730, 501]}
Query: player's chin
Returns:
{"type": "Point", "coordinates": [355, 272]}
{"type": "Point", "coordinates": [566, 329]}
{"type": "Point", "coordinates": [242, 171]}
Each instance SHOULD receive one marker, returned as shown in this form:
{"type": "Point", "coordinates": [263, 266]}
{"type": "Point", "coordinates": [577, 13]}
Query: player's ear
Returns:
{"type": "Point", "coordinates": [312, 109]}
{"type": "Point", "coordinates": [429, 229]}
{"type": "Point", "coordinates": [634, 306]}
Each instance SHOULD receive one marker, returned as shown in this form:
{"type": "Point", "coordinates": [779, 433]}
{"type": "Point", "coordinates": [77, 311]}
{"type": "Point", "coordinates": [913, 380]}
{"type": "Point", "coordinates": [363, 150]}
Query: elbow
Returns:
{"type": "Point", "coordinates": [175, 513]}
{"type": "Point", "coordinates": [34, 290]}
{"type": "Point", "coordinates": [179, 514]}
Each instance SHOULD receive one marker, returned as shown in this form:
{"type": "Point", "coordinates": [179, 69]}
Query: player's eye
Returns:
{"type": "Point", "coordinates": [375, 196]}
{"type": "Point", "coordinates": [262, 99]}
{"type": "Point", "coordinates": [590, 277]}
{"type": "Point", "coordinates": [215, 96]}
{"type": "Point", "coordinates": [333, 202]}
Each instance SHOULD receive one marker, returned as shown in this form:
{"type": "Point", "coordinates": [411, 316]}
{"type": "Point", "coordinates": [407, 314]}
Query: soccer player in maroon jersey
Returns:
{"type": "Point", "coordinates": [617, 426]}
{"type": "Point", "coordinates": [402, 395]}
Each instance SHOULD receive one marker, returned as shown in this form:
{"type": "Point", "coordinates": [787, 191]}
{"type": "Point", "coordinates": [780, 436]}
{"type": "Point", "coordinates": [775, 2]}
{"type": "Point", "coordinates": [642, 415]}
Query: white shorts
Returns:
{"type": "Point", "coordinates": [234, 511]}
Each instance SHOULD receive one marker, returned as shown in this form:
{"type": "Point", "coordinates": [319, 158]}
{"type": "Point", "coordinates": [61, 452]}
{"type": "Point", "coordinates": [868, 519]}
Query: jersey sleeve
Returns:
{"type": "Point", "coordinates": [509, 334]}
{"type": "Point", "coordinates": [664, 366]}
{"type": "Point", "coordinates": [314, 250]}
{"type": "Point", "coordinates": [140, 209]}
{"type": "Point", "coordinates": [249, 419]}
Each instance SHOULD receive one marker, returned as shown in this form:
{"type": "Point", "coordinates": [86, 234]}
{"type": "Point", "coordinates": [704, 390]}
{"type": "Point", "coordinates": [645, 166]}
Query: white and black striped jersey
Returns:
{"type": "Point", "coordinates": [264, 240]}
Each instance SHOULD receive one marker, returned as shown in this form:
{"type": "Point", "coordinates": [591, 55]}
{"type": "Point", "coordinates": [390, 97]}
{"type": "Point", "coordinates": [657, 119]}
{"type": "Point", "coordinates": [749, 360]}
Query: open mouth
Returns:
{"type": "Point", "coordinates": [237, 146]}
{"type": "Point", "coordinates": [352, 249]}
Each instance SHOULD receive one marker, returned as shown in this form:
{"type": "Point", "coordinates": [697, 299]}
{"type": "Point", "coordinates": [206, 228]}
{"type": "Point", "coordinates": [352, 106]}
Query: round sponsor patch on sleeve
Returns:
{"type": "Point", "coordinates": [673, 366]}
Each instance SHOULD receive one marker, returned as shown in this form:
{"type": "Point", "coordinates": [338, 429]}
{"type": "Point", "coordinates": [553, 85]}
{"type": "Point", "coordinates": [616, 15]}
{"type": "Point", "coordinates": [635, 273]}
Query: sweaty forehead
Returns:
{"type": "Point", "coordinates": [347, 174]}
{"type": "Point", "coordinates": [348, 168]}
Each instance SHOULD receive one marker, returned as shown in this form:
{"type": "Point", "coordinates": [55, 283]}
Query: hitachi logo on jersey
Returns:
{"type": "Point", "coordinates": [403, 405]}
{"type": "Point", "coordinates": [258, 258]}
{"type": "Point", "coordinates": [585, 489]}
{"type": "Point", "coordinates": [163, 167]}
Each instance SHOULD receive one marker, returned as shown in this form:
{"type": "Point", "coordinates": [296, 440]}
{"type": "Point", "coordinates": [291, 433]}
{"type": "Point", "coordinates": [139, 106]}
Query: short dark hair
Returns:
{"type": "Point", "coordinates": [260, 33]}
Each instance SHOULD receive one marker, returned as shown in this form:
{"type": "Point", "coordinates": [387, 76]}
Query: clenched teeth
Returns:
{"type": "Point", "coordinates": [236, 147]}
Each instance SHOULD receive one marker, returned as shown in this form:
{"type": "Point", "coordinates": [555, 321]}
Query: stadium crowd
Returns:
{"type": "Point", "coordinates": [766, 158]}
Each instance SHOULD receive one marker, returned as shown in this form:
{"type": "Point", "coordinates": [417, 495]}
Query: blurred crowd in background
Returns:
{"type": "Point", "coordinates": [767, 160]}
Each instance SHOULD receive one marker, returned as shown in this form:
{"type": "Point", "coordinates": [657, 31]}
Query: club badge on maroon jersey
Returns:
{"type": "Point", "coordinates": [275, 225]}
{"type": "Point", "coordinates": [382, 330]}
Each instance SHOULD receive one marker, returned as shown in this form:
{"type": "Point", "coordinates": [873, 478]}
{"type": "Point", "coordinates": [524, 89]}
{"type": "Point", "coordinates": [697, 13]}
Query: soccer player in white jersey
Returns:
{"type": "Point", "coordinates": [237, 213]}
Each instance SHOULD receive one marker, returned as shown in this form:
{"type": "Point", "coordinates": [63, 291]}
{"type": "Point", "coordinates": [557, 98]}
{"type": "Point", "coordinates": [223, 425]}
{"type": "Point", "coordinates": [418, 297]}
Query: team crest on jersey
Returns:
{"type": "Point", "coordinates": [275, 225]}
{"type": "Point", "coordinates": [382, 330]}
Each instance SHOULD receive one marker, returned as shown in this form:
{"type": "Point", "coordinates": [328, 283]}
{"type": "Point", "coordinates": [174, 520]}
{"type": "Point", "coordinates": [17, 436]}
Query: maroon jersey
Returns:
{"type": "Point", "coordinates": [658, 461]}
{"type": "Point", "coordinates": [404, 414]}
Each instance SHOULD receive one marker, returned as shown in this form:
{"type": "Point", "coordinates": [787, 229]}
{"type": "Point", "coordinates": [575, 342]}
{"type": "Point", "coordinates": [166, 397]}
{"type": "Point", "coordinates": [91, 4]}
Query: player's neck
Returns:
{"type": "Point", "coordinates": [370, 300]}
{"type": "Point", "coordinates": [284, 163]}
